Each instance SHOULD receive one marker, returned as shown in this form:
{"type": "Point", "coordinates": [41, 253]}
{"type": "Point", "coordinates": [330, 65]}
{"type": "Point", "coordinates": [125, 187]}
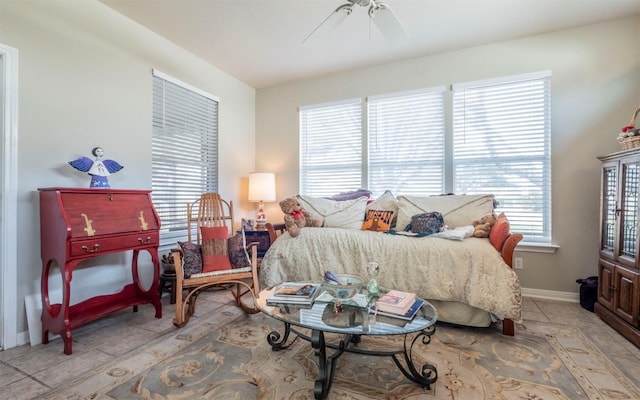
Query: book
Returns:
{"type": "Point", "coordinates": [411, 312]}
{"type": "Point", "coordinates": [395, 302]}
{"type": "Point", "coordinates": [294, 293]}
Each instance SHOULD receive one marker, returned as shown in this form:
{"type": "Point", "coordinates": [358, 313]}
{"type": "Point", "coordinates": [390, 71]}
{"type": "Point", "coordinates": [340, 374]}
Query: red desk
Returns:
{"type": "Point", "coordinates": [79, 224]}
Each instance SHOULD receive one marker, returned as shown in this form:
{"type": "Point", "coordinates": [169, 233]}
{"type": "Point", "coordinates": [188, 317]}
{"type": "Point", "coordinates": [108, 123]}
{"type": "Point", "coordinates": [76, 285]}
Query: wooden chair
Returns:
{"type": "Point", "coordinates": [211, 210]}
{"type": "Point", "coordinates": [275, 230]}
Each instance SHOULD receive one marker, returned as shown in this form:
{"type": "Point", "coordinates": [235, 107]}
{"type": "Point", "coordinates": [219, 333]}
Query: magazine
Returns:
{"type": "Point", "coordinates": [302, 293]}
{"type": "Point", "coordinates": [296, 290]}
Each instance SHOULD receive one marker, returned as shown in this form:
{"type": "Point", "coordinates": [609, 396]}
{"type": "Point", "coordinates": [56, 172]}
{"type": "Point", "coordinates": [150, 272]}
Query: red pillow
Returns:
{"type": "Point", "coordinates": [499, 232]}
{"type": "Point", "coordinates": [215, 256]}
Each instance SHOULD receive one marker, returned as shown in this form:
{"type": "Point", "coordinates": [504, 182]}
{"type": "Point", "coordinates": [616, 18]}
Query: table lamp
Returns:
{"type": "Point", "coordinates": [262, 187]}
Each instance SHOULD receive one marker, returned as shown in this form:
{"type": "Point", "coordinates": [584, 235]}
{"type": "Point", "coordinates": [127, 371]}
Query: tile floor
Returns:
{"type": "Point", "coordinates": [27, 372]}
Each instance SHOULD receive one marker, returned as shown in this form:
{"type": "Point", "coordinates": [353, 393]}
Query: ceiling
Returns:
{"type": "Point", "coordinates": [260, 42]}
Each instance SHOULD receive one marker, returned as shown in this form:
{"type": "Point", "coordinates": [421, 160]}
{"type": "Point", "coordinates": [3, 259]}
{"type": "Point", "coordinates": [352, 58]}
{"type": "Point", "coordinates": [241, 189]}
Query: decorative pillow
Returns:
{"type": "Point", "coordinates": [500, 232]}
{"type": "Point", "coordinates": [336, 214]}
{"type": "Point", "coordinates": [457, 210]}
{"type": "Point", "coordinates": [191, 258]}
{"type": "Point", "coordinates": [215, 256]}
{"type": "Point", "coordinates": [237, 249]}
{"type": "Point", "coordinates": [378, 220]}
{"type": "Point", "coordinates": [426, 223]}
{"type": "Point", "coordinates": [354, 194]}
{"type": "Point", "coordinates": [387, 201]}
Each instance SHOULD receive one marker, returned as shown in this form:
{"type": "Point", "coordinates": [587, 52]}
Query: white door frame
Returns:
{"type": "Point", "coordinates": [9, 198]}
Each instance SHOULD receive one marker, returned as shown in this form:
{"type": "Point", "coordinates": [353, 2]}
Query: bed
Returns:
{"type": "Point", "coordinates": [468, 279]}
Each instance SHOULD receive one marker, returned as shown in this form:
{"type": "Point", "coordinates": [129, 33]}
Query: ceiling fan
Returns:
{"type": "Point", "coordinates": [379, 12]}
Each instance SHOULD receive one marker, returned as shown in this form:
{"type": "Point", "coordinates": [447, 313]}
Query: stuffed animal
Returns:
{"type": "Point", "coordinates": [295, 217]}
{"type": "Point", "coordinates": [483, 225]}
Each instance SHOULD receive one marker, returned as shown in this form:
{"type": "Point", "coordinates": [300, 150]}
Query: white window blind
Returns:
{"type": "Point", "coordinates": [502, 133]}
{"type": "Point", "coordinates": [406, 143]}
{"type": "Point", "coordinates": [184, 150]}
{"type": "Point", "coordinates": [331, 148]}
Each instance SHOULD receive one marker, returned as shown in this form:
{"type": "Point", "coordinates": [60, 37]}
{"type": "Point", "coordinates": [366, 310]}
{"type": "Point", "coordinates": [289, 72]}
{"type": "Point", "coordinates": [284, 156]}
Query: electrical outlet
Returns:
{"type": "Point", "coordinates": [517, 263]}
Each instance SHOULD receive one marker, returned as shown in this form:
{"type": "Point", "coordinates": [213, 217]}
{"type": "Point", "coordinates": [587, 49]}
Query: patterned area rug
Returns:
{"type": "Point", "coordinates": [228, 358]}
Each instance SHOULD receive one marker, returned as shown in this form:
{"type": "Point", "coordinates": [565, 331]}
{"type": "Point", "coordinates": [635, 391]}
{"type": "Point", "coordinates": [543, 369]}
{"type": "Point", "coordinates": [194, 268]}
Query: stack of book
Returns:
{"type": "Point", "coordinates": [398, 304]}
{"type": "Point", "coordinates": [294, 293]}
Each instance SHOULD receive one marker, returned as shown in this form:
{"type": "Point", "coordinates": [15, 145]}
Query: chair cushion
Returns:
{"type": "Point", "coordinates": [191, 258]}
{"type": "Point", "coordinates": [215, 256]}
{"type": "Point", "coordinates": [237, 250]}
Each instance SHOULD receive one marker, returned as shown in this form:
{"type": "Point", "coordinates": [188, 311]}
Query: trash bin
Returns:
{"type": "Point", "coordinates": [588, 292]}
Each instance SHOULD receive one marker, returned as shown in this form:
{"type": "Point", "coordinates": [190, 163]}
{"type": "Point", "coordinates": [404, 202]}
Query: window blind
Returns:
{"type": "Point", "coordinates": [331, 148]}
{"type": "Point", "coordinates": [501, 131]}
{"type": "Point", "coordinates": [406, 142]}
{"type": "Point", "coordinates": [184, 150]}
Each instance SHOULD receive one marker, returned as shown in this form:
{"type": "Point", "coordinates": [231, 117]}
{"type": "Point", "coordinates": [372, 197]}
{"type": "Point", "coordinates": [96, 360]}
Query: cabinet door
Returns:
{"type": "Point", "coordinates": [609, 204]}
{"type": "Point", "coordinates": [626, 296]}
{"type": "Point", "coordinates": [628, 220]}
{"type": "Point", "coordinates": [605, 284]}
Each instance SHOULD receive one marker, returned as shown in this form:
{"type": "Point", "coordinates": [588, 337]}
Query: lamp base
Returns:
{"type": "Point", "coordinates": [261, 218]}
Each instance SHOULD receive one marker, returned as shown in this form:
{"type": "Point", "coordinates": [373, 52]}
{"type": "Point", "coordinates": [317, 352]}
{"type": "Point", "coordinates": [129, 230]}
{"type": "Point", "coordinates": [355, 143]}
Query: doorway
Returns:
{"type": "Point", "coordinates": [8, 195]}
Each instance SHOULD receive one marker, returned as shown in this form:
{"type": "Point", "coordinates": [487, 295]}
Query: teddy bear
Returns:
{"type": "Point", "coordinates": [483, 225]}
{"type": "Point", "coordinates": [295, 217]}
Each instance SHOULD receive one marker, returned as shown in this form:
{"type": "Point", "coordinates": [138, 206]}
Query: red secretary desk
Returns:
{"type": "Point", "coordinates": [79, 224]}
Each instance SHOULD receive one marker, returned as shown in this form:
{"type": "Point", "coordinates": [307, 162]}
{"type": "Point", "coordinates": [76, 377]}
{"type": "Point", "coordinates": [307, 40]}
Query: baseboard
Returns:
{"type": "Point", "coordinates": [551, 295]}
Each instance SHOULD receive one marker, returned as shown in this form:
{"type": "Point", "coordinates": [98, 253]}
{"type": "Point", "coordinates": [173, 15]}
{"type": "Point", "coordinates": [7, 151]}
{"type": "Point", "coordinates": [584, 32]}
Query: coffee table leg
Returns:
{"type": "Point", "coordinates": [277, 343]}
{"type": "Point", "coordinates": [326, 364]}
{"type": "Point", "coordinates": [428, 374]}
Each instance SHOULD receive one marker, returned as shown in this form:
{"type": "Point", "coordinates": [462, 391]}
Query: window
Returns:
{"type": "Point", "coordinates": [501, 132]}
{"type": "Point", "coordinates": [331, 148]}
{"type": "Point", "coordinates": [499, 143]}
{"type": "Point", "coordinates": [184, 150]}
{"type": "Point", "coordinates": [406, 142]}
{"type": "Point", "coordinates": [402, 150]}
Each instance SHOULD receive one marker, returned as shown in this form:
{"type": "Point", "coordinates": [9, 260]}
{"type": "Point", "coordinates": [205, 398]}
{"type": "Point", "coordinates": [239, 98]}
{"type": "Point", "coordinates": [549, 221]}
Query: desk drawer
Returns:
{"type": "Point", "coordinates": [97, 245]}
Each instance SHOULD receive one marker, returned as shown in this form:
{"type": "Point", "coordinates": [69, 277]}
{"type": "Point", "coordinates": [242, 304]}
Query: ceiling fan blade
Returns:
{"type": "Point", "coordinates": [387, 22]}
{"type": "Point", "coordinates": [330, 23]}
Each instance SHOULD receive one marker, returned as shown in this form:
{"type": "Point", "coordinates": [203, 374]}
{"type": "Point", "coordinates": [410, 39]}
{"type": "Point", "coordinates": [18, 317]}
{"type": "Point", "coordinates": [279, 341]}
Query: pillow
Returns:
{"type": "Point", "coordinates": [335, 214]}
{"type": "Point", "coordinates": [191, 258]}
{"type": "Point", "coordinates": [378, 220]}
{"type": "Point", "coordinates": [500, 232]}
{"type": "Point", "coordinates": [457, 210]}
{"type": "Point", "coordinates": [354, 194]}
{"type": "Point", "coordinates": [387, 201]}
{"type": "Point", "coordinates": [215, 256]}
{"type": "Point", "coordinates": [237, 250]}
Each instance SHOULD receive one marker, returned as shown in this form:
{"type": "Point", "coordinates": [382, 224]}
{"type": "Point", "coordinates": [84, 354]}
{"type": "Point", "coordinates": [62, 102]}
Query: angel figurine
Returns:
{"type": "Point", "coordinates": [99, 169]}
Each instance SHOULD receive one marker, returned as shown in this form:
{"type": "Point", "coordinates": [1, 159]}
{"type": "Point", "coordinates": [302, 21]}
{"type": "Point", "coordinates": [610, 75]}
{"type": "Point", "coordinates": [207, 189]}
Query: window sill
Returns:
{"type": "Point", "coordinates": [532, 247]}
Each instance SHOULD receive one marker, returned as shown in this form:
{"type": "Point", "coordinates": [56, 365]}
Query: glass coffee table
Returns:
{"type": "Point", "coordinates": [351, 319]}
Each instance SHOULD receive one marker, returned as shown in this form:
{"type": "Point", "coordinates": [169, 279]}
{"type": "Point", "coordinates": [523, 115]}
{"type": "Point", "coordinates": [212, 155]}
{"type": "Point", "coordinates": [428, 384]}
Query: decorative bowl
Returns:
{"type": "Point", "coordinates": [351, 284]}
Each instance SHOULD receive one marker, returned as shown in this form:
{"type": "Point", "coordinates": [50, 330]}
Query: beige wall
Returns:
{"type": "Point", "coordinates": [595, 89]}
{"type": "Point", "coordinates": [85, 80]}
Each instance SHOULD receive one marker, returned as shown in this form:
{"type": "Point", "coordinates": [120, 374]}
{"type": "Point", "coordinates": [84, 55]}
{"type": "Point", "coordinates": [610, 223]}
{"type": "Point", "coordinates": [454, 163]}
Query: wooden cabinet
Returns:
{"type": "Point", "coordinates": [619, 268]}
{"type": "Point", "coordinates": [79, 224]}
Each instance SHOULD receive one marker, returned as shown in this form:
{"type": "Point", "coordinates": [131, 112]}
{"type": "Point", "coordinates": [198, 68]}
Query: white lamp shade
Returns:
{"type": "Point", "coordinates": [262, 186]}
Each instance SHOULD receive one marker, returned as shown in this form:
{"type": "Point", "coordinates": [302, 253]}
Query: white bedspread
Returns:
{"type": "Point", "coordinates": [470, 271]}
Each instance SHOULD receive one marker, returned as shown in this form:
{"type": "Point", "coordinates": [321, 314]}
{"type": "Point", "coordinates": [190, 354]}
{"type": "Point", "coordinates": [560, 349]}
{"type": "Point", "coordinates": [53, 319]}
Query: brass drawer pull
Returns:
{"type": "Point", "coordinates": [87, 250]}
{"type": "Point", "coordinates": [143, 241]}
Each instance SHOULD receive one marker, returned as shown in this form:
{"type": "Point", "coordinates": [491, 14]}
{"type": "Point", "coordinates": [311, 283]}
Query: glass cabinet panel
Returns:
{"type": "Point", "coordinates": [629, 206]}
{"type": "Point", "coordinates": [609, 190]}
